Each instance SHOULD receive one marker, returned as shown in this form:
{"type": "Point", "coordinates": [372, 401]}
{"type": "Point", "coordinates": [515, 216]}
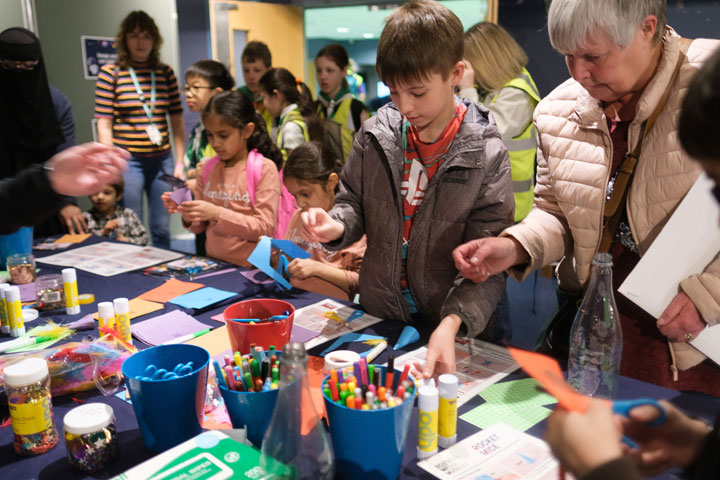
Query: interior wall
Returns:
{"type": "Point", "coordinates": [10, 14]}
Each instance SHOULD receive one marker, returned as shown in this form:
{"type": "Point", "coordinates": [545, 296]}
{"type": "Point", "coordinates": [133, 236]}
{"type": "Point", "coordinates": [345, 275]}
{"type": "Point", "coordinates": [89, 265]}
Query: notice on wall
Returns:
{"type": "Point", "coordinates": [97, 52]}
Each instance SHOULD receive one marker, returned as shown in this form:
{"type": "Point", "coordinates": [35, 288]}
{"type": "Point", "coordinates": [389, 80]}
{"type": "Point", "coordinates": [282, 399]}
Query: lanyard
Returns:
{"type": "Point", "coordinates": [142, 96]}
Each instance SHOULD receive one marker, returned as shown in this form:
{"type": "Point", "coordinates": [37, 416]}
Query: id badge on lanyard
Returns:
{"type": "Point", "coordinates": [153, 132]}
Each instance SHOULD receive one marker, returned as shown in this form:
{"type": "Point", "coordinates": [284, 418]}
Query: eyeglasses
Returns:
{"type": "Point", "coordinates": [8, 64]}
{"type": "Point", "coordinates": [195, 89]}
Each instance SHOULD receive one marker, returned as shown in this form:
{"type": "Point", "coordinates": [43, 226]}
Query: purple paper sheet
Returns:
{"type": "Point", "coordinates": [162, 328]}
{"type": "Point", "coordinates": [181, 195]}
{"type": "Point", "coordinates": [257, 276]}
{"type": "Point", "coordinates": [27, 292]}
{"type": "Point", "coordinates": [302, 334]}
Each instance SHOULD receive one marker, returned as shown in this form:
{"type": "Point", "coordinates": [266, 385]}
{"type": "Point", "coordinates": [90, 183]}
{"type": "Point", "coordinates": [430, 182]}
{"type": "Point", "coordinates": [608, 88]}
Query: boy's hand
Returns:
{"type": "Point", "coordinates": [199, 211]}
{"type": "Point", "coordinates": [318, 226]}
{"type": "Point", "coordinates": [584, 441]}
{"type": "Point", "coordinates": [169, 203]}
{"type": "Point", "coordinates": [675, 443]}
{"type": "Point", "coordinates": [302, 268]}
{"type": "Point", "coordinates": [109, 227]}
{"type": "Point", "coordinates": [478, 260]}
{"type": "Point", "coordinates": [71, 217]}
{"type": "Point", "coordinates": [440, 350]}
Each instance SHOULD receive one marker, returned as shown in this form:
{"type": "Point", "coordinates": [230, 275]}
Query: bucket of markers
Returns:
{"type": "Point", "coordinates": [368, 433]}
{"type": "Point", "coordinates": [262, 321]}
{"type": "Point", "coordinates": [250, 403]}
{"type": "Point", "coordinates": [167, 387]}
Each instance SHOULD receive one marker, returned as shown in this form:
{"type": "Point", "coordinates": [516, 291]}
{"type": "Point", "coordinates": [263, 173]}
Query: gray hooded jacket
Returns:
{"type": "Point", "coordinates": [469, 197]}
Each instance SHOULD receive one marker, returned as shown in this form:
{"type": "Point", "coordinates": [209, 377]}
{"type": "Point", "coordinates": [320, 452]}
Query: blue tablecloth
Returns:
{"type": "Point", "coordinates": [53, 465]}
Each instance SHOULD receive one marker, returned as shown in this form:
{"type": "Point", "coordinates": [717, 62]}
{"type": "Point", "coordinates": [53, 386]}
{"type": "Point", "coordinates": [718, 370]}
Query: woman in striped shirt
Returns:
{"type": "Point", "coordinates": [133, 101]}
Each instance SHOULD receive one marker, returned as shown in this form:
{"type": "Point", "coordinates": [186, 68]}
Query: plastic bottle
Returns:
{"type": "Point", "coordinates": [295, 445]}
{"type": "Point", "coordinates": [596, 337]}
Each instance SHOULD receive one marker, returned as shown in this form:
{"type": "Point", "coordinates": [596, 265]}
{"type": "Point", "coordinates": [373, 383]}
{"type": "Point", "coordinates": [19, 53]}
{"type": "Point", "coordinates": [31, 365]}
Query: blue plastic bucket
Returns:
{"type": "Point", "coordinates": [18, 242]}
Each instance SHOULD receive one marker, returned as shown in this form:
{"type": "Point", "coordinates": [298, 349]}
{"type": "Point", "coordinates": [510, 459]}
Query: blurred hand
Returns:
{"type": "Point", "coordinates": [71, 217]}
{"type": "Point", "coordinates": [199, 211]}
{"type": "Point", "coordinates": [675, 443]}
{"type": "Point", "coordinates": [584, 441]}
{"type": "Point", "coordinates": [478, 260]}
{"type": "Point", "coordinates": [679, 318]}
{"type": "Point", "coordinates": [169, 203]}
{"type": "Point", "coordinates": [468, 78]}
{"type": "Point", "coordinates": [318, 226]}
{"type": "Point", "coordinates": [86, 169]}
{"type": "Point", "coordinates": [179, 171]}
{"type": "Point", "coordinates": [303, 268]}
{"type": "Point", "coordinates": [110, 226]}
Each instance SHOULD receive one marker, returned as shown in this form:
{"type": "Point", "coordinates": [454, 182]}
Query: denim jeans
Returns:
{"type": "Point", "coordinates": [141, 176]}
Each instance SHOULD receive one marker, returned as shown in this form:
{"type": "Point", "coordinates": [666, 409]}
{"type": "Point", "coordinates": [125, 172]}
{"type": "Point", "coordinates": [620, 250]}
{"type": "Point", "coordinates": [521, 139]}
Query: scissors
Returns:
{"type": "Point", "coordinates": [342, 323]}
{"type": "Point", "coordinates": [623, 407]}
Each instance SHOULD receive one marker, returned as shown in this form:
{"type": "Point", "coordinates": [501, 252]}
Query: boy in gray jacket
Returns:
{"type": "Point", "coordinates": [425, 175]}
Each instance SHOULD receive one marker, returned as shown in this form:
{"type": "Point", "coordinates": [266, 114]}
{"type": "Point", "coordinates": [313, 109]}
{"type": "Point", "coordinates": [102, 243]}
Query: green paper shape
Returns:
{"type": "Point", "coordinates": [489, 414]}
{"type": "Point", "coordinates": [519, 393]}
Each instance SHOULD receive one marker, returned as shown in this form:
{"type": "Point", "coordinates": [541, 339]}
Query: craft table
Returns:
{"type": "Point", "coordinates": [53, 464]}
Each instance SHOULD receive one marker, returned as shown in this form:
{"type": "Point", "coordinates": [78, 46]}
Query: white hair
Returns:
{"type": "Point", "coordinates": [572, 22]}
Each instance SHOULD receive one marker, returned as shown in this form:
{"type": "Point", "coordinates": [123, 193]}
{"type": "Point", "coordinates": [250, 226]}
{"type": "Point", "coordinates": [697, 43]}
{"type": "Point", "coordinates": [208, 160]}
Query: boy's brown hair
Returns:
{"type": "Point", "coordinates": [422, 37]}
{"type": "Point", "coordinates": [256, 51]}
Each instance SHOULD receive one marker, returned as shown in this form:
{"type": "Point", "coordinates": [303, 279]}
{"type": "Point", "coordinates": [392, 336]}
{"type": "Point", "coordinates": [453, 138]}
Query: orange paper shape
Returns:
{"type": "Point", "coordinates": [68, 238]}
{"type": "Point", "coordinates": [547, 372]}
{"type": "Point", "coordinates": [169, 290]}
{"type": "Point", "coordinates": [139, 307]}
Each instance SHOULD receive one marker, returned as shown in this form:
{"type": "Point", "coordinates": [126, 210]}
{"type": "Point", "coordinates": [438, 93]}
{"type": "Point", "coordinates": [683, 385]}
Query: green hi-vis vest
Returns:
{"type": "Point", "coordinates": [296, 117]}
{"type": "Point", "coordinates": [342, 116]}
{"type": "Point", "coordinates": [523, 151]}
{"type": "Point", "coordinates": [259, 107]}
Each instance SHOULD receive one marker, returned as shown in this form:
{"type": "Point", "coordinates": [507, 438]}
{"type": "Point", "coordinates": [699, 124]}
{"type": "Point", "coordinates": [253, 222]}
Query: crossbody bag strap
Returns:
{"type": "Point", "coordinates": [616, 203]}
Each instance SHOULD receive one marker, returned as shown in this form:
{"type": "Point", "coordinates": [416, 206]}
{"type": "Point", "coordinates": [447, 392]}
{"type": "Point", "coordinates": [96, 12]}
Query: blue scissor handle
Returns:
{"type": "Point", "coordinates": [355, 315]}
{"type": "Point", "coordinates": [623, 407]}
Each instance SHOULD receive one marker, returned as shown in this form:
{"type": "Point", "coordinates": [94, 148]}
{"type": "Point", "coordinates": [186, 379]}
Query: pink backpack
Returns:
{"type": "Point", "coordinates": [253, 172]}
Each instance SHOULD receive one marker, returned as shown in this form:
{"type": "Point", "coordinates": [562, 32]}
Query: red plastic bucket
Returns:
{"type": "Point", "coordinates": [261, 334]}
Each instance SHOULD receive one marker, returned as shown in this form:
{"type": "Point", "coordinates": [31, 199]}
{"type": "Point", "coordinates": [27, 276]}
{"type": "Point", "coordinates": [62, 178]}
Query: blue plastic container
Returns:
{"type": "Point", "coordinates": [18, 242]}
{"type": "Point", "coordinates": [383, 432]}
{"type": "Point", "coordinates": [251, 409]}
{"type": "Point", "coordinates": [168, 411]}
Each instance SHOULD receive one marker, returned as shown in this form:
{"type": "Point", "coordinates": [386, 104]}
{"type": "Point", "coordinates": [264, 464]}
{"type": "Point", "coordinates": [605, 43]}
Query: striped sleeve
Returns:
{"type": "Point", "coordinates": [174, 104]}
{"type": "Point", "coordinates": [104, 94]}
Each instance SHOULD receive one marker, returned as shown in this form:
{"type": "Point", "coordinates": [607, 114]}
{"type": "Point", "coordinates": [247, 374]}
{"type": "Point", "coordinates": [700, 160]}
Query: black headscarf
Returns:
{"type": "Point", "coordinates": [29, 128]}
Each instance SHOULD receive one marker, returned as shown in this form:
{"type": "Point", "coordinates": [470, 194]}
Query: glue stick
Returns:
{"type": "Point", "coordinates": [4, 319]}
{"type": "Point", "coordinates": [447, 422]}
{"type": "Point", "coordinates": [106, 315]}
{"type": "Point", "coordinates": [12, 297]}
{"type": "Point", "coordinates": [122, 318]}
{"type": "Point", "coordinates": [427, 422]}
{"type": "Point", "coordinates": [72, 304]}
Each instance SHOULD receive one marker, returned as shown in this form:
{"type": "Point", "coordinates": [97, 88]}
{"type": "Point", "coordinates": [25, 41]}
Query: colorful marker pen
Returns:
{"type": "Point", "coordinates": [122, 318]}
{"type": "Point", "coordinates": [447, 428]}
{"type": "Point", "coordinates": [390, 373]}
{"type": "Point", "coordinates": [106, 315]}
{"type": "Point", "coordinates": [72, 303]}
{"type": "Point", "coordinates": [427, 422]}
{"type": "Point", "coordinates": [12, 297]}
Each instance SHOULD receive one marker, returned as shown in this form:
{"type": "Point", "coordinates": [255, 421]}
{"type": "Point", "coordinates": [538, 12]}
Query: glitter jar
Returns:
{"type": "Point", "coordinates": [90, 437]}
{"type": "Point", "coordinates": [21, 268]}
{"type": "Point", "coordinates": [27, 384]}
{"type": "Point", "coordinates": [50, 293]}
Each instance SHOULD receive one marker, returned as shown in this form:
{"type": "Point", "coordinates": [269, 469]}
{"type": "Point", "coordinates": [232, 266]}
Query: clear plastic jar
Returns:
{"type": "Point", "coordinates": [27, 384]}
{"type": "Point", "coordinates": [50, 293]}
{"type": "Point", "coordinates": [90, 437]}
{"type": "Point", "coordinates": [21, 268]}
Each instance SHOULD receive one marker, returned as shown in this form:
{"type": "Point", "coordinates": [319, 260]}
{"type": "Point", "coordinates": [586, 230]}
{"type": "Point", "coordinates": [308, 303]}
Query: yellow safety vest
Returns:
{"type": "Point", "coordinates": [342, 116]}
{"type": "Point", "coordinates": [523, 151]}
{"type": "Point", "coordinates": [296, 117]}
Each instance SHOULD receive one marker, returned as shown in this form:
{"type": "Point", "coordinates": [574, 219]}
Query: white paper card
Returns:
{"type": "Point", "coordinates": [686, 245]}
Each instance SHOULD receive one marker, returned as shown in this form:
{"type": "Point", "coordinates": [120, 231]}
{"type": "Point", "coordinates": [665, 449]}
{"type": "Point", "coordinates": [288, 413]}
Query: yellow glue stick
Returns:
{"type": "Point", "coordinates": [4, 318]}
{"type": "Point", "coordinates": [12, 297]}
{"type": "Point", "coordinates": [122, 318]}
{"type": "Point", "coordinates": [72, 303]}
{"type": "Point", "coordinates": [427, 422]}
{"type": "Point", "coordinates": [447, 423]}
{"type": "Point", "coordinates": [106, 315]}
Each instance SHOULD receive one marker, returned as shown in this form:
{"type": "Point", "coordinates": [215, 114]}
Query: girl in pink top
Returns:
{"type": "Point", "coordinates": [311, 175]}
{"type": "Point", "coordinates": [232, 213]}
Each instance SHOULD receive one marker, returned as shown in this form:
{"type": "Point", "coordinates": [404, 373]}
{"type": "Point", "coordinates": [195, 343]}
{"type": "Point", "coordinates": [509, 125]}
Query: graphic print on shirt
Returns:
{"type": "Point", "coordinates": [226, 193]}
{"type": "Point", "coordinates": [413, 189]}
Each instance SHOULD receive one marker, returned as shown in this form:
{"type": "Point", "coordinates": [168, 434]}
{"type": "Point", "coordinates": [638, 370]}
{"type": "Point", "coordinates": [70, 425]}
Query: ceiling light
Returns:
{"type": "Point", "coordinates": [368, 35]}
{"type": "Point", "coordinates": [343, 30]}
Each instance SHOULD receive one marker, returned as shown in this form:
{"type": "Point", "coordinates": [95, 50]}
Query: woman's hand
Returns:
{"type": "Point", "coordinates": [71, 217]}
{"type": "Point", "coordinates": [199, 211]}
{"type": "Point", "coordinates": [318, 226]}
{"type": "Point", "coordinates": [478, 260]}
{"type": "Point", "coordinates": [680, 318]}
{"type": "Point", "coordinates": [86, 169]}
{"type": "Point", "coordinates": [302, 268]}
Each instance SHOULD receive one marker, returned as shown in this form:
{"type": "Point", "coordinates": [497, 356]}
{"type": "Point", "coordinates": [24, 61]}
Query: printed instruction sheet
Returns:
{"type": "Point", "coordinates": [320, 328]}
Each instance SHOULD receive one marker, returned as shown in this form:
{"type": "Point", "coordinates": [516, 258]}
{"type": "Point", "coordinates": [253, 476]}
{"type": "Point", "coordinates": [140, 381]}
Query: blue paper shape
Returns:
{"type": "Point", "coordinates": [407, 336]}
{"type": "Point", "coordinates": [261, 255]}
{"type": "Point", "coordinates": [350, 337]}
{"type": "Point", "coordinates": [202, 298]}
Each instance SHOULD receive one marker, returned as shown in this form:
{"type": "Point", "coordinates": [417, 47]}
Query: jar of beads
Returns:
{"type": "Point", "coordinates": [90, 437]}
{"type": "Point", "coordinates": [50, 293]}
{"type": "Point", "coordinates": [21, 268]}
{"type": "Point", "coordinates": [27, 384]}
